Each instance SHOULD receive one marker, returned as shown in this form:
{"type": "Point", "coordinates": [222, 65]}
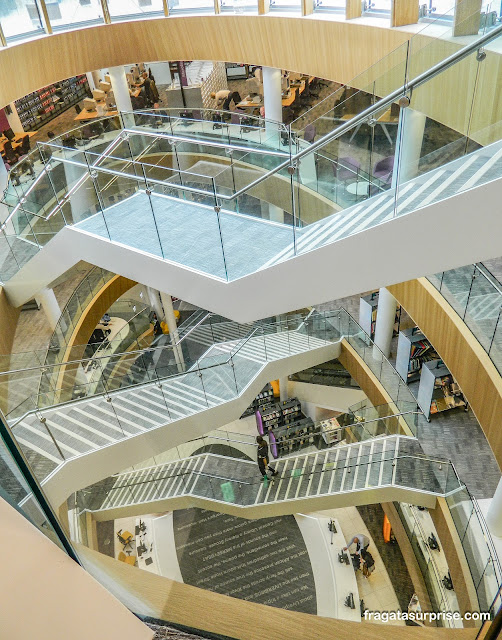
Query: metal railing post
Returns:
{"type": "Point", "coordinates": [106, 12]}
{"type": "Point", "coordinates": [44, 16]}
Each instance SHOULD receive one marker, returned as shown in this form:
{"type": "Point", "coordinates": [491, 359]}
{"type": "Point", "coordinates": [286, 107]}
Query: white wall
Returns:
{"type": "Point", "coordinates": [319, 395]}
{"type": "Point", "coordinates": [47, 596]}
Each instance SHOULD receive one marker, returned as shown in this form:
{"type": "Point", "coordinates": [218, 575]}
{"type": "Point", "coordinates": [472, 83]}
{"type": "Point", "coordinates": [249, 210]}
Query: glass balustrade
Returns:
{"type": "Point", "coordinates": [280, 213]}
{"type": "Point", "coordinates": [210, 375]}
{"type": "Point", "coordinates": [476, 296]}
{"type": "Point", "coordinates": [243, 488]}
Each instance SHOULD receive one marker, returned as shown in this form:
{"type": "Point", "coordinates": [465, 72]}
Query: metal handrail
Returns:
{"type": "Point", "coordinates": [163, 378]}
{"type": "Point", "coordinates": [391, 458]}
{"type": "Point", "coordinates": [379, 105]}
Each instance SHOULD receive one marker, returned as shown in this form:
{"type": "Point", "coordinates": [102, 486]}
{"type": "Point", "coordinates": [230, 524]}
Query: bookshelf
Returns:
{"type": "Point", "coordinates": [368, 307]}
{"type": "Point", "coordinates": [263, 400]}
{"type": "Point", "coordinates": [42, 106]}
{"type": "Point", "coordinates": [413, 349]}
{"type": "Point", "coordinates": [438, 391]}
{"type": "Point", "coordinates": [283, 421]}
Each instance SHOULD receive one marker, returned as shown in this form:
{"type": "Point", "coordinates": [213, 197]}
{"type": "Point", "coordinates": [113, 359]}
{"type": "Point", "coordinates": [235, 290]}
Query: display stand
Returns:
{"type": "Point", "coordinates": [413, 349]}
{"type": "Point", "coordinates": [438, 391]}
{"type": "Point", "coordinates": [368, 306]}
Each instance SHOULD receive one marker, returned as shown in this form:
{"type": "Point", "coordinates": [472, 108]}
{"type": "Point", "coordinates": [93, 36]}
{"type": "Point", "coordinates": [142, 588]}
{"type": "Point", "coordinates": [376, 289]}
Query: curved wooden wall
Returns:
{"type": "Point", "coordinates": [152, 595]}
{"type": "Point", "coordinates": [343, 51]}
{"type": "Point", "coordinates": [90, 317]}
{"type": "Point", "coordinates": [463, 355]}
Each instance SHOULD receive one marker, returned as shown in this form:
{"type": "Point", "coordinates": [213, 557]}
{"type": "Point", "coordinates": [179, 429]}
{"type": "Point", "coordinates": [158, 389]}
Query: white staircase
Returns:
{"type": "Point", "coordinates": [359, 473]}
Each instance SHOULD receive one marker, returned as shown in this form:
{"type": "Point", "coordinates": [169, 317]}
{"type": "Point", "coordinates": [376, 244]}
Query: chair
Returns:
{"type": "Point", "coordinates": [309, 133]}
{"type": "Point", "coordinates": [127, 559]}
{"type": "Point", "coordinates": [25, 146]}
{"type": "Point", "coordinates": [78, 109]}
{"type": "Point", "coordinates": [346, 168]}
{"type": "Point", "coordinates": [383, 169]}
{"type": "Point", "coordinates": [125, 539]}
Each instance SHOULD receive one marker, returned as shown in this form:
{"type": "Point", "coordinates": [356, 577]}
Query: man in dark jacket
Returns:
{"type": "Point", "coordinates": [263, 457]}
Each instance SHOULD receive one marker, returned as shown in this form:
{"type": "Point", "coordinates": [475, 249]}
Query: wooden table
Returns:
{"type": "Point", "coordinates": [18, 136]}
{"type": "Point", "coordinates": [85, 115]}
{"type": "Point", "coordinates": [385, 119]}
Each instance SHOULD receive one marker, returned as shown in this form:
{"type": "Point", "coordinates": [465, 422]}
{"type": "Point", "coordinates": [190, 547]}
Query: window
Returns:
{"type": "Point", "coordinates": [377, 7]}
{"type": "Point", "coordinates": [20, 18]}
{"type": "Point", "coordinates": [127, 9]}
{"type": "Point", "coordinates": [330, 5]}
{"type": "Point", "coordinates": [74, 12]}
{"type": "Point", "coordinates": [239, 6]}
{"type": "Point", "coordinates": [191, 6]}
{"type": "Point", "coordinates": [285, 5]}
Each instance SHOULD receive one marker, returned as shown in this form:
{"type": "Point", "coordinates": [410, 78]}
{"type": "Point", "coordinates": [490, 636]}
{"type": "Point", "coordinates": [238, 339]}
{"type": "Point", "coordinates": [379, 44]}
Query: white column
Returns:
{"type": "Point", "coordinates": [494, 515]}
{"type": "Point", "coordinates": [91, 80]}
{"type": "Point", "coordinates": [50, 305]}
{"type": "Point", "coordinates": [386, 316]}
{"type": "Point", "coordinates": [84, 198]}
{"type": "Point", "coordinates": [272, 97]}
{"type": "Point", "coordinates": [275, 213]}
{"type": "Point", "coordinates": [410, 135]}
{"type": "Point", "coordinates": [4, 211]}
{"type": "Point", "coordinates": [120, 88]}
{"type": "Point", "coordinates": [153, 297]}
{"type": "Point", "coordinates": [13, 118]}
{"type": "Point", "coordinates": [167, 303]}
{"type": "Point", "coordinates": [283, 389]}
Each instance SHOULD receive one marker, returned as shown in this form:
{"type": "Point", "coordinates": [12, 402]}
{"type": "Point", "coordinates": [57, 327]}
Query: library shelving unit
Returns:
{"type": "Point", "coordinates": [413, 349]}
{"type": "Point", "coordinates": [303, 430]}
{"type": "Point", "coordinates": [368, 307]}
{"type": "Point", "coordinates": [268, 417]}
{"type": "Point", "coordinates": [42, 106]}
{"type": "Point", "coordinates": [283, 421]}
{"type": "Point", "coordinates": [263, 400]}
{"type": "Point", "coordinates": [438, 391]}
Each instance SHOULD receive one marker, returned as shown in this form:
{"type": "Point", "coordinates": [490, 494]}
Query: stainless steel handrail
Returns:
{"type": "Point", "coordinates": [379, 105]}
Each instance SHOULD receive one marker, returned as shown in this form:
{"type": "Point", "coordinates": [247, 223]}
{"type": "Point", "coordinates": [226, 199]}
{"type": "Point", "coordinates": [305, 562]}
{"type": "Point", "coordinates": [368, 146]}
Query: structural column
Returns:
{"type": "Point", "coordinates": [275, 213]}
{"type": "Point", "coordinates": [494, 515]}
{"type": "Point", "coordinates": [13, 118]}
{"type": "Point", "coordinates": [50, 305]}
{"type": "Point", "coordinates": [386, 316]}
{"type": "Point", "coordinates": [272, 97]}
{"type": "Point", "coordinates": [167, 303]}
{"type": "Point", "coordinates": [283, 389]}
{"type": "Point", "coordinates": [120, 88]}
{"type": "Point", "coordinates": [410, 136]}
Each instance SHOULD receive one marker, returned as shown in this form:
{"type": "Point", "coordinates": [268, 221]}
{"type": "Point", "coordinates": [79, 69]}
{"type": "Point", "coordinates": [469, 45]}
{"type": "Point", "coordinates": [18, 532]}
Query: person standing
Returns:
{"type": "Point", "coordinates": [220, 97]}
{"type": "Point", "coordinates": [263, 457]}
{"type": "Point", "coordinates": [361, 541]}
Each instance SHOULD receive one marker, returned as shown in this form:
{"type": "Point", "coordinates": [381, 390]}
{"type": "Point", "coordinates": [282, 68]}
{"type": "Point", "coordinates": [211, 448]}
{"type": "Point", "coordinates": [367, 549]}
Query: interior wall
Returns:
{"type": "Point", "coordinates": [183, 604]}
{"type": "Point", "coordinates": [48, 596]}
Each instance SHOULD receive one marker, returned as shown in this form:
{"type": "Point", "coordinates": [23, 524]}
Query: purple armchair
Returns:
{"type": "Point", "coordinates": [346, 168]}
{"type": "Point", "coordinates": [309, 133]}
{"type": "Point", "coordinates": [383, 169]}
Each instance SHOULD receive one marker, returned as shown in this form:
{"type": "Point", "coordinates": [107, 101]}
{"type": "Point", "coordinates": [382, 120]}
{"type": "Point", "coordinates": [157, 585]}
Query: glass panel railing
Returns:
{"type": "Point", "coordinates": [352, 471]}
{"type": "Point", "coordinates": [477, 545]}
{"type": "Point", "coordinates": [289, 196]}
{"type": "Point", "coordinates": [433, 567]}
{"type": "Point", "coordinates": [476, 296]}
